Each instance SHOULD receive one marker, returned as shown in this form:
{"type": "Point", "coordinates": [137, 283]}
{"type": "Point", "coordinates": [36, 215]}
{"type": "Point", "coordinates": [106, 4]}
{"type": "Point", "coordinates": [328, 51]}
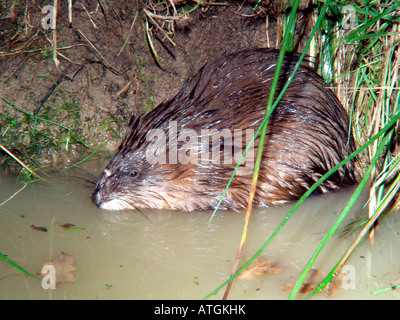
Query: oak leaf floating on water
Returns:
{"type": "Point", "coordinates": [64, 265]}
{"type": "Point", "coordinates": [259, 267]}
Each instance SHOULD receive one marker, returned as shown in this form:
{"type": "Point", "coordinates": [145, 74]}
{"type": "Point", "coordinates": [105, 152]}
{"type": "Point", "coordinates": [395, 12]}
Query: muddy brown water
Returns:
{"type": "Point", "coordinates": [173, 255]}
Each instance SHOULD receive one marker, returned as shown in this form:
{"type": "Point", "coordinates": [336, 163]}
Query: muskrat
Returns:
{"type": "Point", "coordinates": [308, 134]}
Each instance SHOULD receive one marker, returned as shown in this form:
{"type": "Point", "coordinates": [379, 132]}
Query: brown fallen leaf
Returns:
{"type": "Point", "coordinates": [259, 267]}
{"type": "Point", "coordinates": [42, 229]}
{"type": "Point", "coordinates": [312, 280]}
{"type": "Point", "coordinates": [335, 285]}
{"type": "Point", "coordinates": [63, 265]}
{"type": "Point", "coordinates": [287, 288]}
{"type": "Point", "coordinates": [67, 225]}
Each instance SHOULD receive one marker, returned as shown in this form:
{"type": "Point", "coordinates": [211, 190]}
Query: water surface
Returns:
{"type": "Point", "coordinates": [174, 255]}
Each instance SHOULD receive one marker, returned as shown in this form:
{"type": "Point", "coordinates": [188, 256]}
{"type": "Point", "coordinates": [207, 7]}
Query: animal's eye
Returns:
{"type": "Point", "coordinates": [134, 174]}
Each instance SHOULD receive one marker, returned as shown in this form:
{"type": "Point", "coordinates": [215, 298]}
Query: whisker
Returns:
{"type": "Point", "coordinates": [141, 212]}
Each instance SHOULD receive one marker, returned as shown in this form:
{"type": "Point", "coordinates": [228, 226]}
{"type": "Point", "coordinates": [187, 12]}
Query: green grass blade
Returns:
{"type": "Point", "coordinates": [12, 263]}
{"type": "Point", "coordinates": [363, 28]}
{"type": "Point", "coordinates": [84, 159]}
{"type": "Point", "coordinates": [44, 120]}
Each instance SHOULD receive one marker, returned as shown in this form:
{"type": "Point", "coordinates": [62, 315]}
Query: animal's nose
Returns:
{"type": "Point", "coordinates": [96, 198]}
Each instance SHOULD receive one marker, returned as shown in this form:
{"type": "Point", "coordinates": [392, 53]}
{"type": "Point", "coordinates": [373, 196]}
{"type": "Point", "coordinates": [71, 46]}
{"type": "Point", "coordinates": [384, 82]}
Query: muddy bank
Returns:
{"type": "Point", "coordinates": [107, 70]}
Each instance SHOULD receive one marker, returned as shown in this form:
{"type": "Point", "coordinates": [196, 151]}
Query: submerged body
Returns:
{"type": "Point", "coordinates": [182, 154]}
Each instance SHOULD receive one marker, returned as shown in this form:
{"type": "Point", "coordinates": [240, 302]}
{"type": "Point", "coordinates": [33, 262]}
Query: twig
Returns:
{"type": "Point", "coordinates": [129, 34]}
{"type": "Point", "coordinates": [62, 77]}
{"type": "Point", "coordinates": [69, 13]}
{"type": "Point", "coordinates": [107, 64]}
{"type": "Point", "coordinates": [19, 161]}
{"type": "Point", "coordinates": [149, 15]}
{"type": "Point", "coordinates": [150, 41]}
{"type": "Point", "coordinates": [56, 61]}
{"type": "Point", "coordinates": [88, 14]}
{"type": "Point", "coordinates": [15, 193]}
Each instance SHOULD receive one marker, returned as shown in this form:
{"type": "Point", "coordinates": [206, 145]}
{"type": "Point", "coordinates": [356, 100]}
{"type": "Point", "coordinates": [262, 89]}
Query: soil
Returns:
{"type": "Point", "coordinates": [107, 70]}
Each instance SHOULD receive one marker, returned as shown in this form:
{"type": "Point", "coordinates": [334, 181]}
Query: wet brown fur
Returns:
{"type": "Point", "coordinates": [308, 134]}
